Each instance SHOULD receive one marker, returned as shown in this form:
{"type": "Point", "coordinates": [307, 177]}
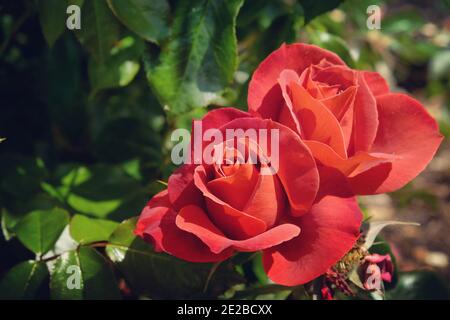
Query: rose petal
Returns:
{"type": "Point", "coordinates": [317, 122]}
{"type": "Point", "coordinates": [214, 119]}
{"type": "Point", "coordinates": [238, 188]}
{"type": "Point", "coordinates": [181, 187]}
{"type": "Point", "coordinates": [365, 118]}
{"type": "Point", "coordinates": [267, 201]}
{"type": "Point", "coordinates": [354, 165]}
{"type": "Point", "coordinates": [329, 231]}
{"type": "Point", "coordinates": [287, 115]}
{"type": "Point", "coordinates": [234, 223]}
{"type": "Point", "coordinates": [194, 220]}
{"type": "Point", "coordinates": [333, 182]}
{"type": "Point", "coordinates": [264, 96]}
{"type": "Point", "coordinates": [339, 75]}
{"type": "Point", "coordinates": [407, 131]}
{"type": "Point", "coordinates": [376, 83]}
{"type": "Point", "coordinates": [157, 224]}
{"type": "Point", "coordinates": [369, 182]}
{"type": "Point", "coordinates": [340, 103]}
{"type": "Point", "coordinates": [296, 167]}
{"type": "Point", "coordinates": [152, 213]}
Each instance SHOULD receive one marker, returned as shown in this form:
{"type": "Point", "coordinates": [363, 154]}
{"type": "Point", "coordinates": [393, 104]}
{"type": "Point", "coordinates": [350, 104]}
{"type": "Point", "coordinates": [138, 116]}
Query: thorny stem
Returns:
{"type": "Point", "coordinates": [101, 244]}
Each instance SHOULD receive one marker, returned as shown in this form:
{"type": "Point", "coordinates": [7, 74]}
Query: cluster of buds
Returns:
{"type": "Point", "coordinates": [371, 269]}
{"type": "Point", "coordinates": [375, 270]}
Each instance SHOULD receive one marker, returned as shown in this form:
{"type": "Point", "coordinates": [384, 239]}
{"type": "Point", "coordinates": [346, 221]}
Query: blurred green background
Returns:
{"type": "Point", "coordinates": [86, 118]}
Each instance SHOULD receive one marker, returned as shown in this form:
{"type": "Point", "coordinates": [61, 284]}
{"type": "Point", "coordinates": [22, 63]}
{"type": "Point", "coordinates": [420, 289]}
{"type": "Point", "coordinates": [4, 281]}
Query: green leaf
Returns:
{"type": "Point", "coordinates": [23, 280]}
{"type": "Point", "coordinates": [40, 229]}
{"type": "Point", "coordinates": [86, 230]}
{"type": "Point", "coordinates": [100, 191]}
{"type": "Point", "coordinates": [161, 276]}
{"type": "Point", "coordinates": [82, 274]}
{"type": "Point", "coordinates": [52, 15]}
{"type": "Point", "coordinates": [196, 64]}
{"type": "Point", "coordinates": [120, 68]}
{"type": "Point", "coordinates": [149, 19]}
{"type": "Point", "coordinates": [419, 285]}
{"type": "Point", "coordinates": [99, 29]}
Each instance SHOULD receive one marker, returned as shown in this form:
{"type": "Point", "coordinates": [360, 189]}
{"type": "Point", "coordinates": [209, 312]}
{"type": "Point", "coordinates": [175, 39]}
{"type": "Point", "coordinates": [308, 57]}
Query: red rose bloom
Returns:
{"type": "Point", "coordinates": [210, 211]}
{"type": "Point", "coordinates": [355, 127]}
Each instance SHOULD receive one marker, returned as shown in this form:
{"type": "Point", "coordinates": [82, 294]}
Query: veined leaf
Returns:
{"type": "Point", "coordinates": [195, 65]}
{"type": "Point", "coordinates": [39, 230]}
{"type": "Point", "coordinates": [99, 31]}
{"type": "Point", "coordinates": [86, 230]}
{"type": "Point", "coordinates": [82, 274]}
{"type": "Point", "coordinates": [149, 19]}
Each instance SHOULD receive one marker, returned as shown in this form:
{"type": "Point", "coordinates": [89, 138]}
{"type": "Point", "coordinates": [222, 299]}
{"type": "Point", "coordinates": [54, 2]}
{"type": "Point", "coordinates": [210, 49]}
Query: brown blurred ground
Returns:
{"type": "Point", "coordinates": [426, 201]}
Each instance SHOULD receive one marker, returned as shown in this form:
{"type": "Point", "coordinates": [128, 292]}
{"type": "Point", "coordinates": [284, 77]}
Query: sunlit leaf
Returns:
{"type": "Point", "coordinates": [39, 230]}
{"type": "Point", "coordinates": [82, 274]}
{"type": "Point", "coordinates": [195, 65]}
{"type": "Point", "coordinates": [88, 230]}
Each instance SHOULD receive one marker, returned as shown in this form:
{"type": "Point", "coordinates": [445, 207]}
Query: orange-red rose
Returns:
{"type": "Point", "coordinates": [355, 127]}
{"type": "Point", "coordinates": [210, 211]}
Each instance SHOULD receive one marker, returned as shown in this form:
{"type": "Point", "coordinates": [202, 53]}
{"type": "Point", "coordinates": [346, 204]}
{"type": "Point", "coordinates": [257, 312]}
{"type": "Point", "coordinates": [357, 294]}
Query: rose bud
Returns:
{"type": "Point", "coordinates": [375, 269]}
